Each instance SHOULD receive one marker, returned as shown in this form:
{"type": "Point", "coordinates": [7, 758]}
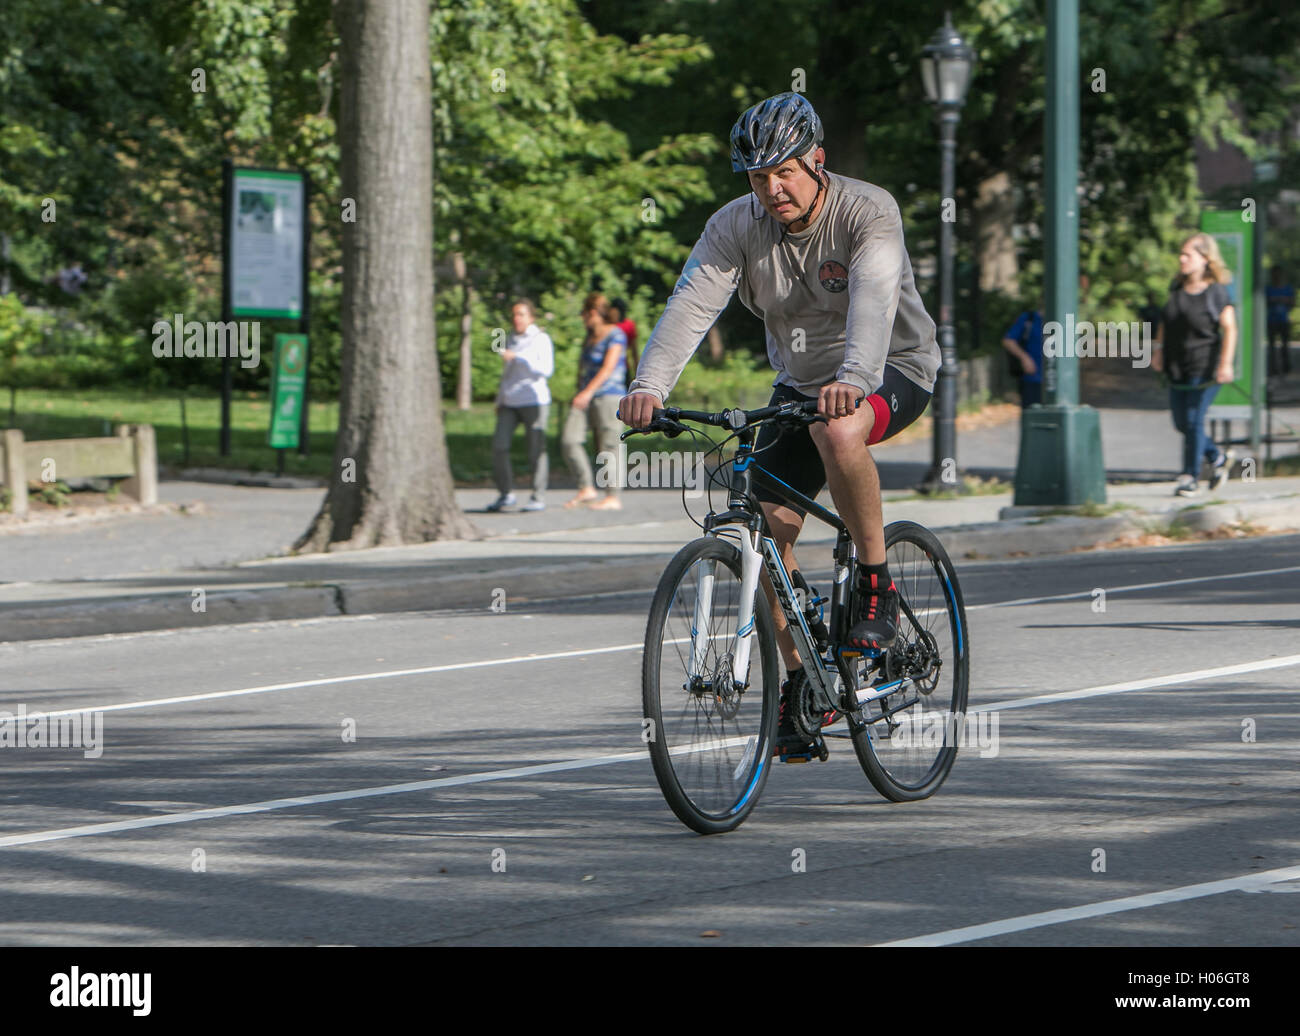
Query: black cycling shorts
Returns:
{"type": "Point", "coordinates": [793, 458]}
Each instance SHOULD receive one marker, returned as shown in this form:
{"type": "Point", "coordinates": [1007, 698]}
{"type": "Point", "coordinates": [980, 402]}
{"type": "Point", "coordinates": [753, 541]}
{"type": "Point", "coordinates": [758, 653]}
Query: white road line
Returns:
{"type": "Point", "coordinates": [1195, 676]}
{"type": "Point", "coordinates": [1136, 586]}
{"type": "Point", "coordinates": [267, 806]}
{"type": "Point", "coordinates": [1000, 604]}
{"type": "Point", "coordinates": [328, 680]}
{"type": "Point", "coordinates": [572, 764]}
{"type": "Point", "coordinates": [1243, 883]}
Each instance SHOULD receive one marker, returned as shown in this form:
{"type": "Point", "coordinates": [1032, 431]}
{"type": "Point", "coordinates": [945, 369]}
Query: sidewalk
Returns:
{"type": "Point", "coordinates": [167, 571]}
{"type": "Point", "coordinates": [142, 571]}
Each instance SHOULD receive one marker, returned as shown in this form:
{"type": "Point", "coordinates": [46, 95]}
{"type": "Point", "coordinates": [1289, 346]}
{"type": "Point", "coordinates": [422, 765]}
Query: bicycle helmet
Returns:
{"type": "Point", "coordinates": [773, 130]}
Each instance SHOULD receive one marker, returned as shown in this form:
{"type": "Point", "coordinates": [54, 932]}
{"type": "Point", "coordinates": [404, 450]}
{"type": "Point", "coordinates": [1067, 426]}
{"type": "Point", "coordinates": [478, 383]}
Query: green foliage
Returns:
{"type": "Point", "coordinates": [23, 331]}
{"type": "Point", "coordinates": [557, 121]}
{"type": "Point", "coordinates": [54, 493]}
{"type": "Point", "coordinates": [540, 193]}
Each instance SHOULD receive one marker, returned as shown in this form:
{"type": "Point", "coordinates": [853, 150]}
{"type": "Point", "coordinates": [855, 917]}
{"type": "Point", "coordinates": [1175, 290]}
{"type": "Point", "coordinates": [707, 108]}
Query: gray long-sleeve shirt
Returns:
{"type": "Point", "coordinates": [837, 299]}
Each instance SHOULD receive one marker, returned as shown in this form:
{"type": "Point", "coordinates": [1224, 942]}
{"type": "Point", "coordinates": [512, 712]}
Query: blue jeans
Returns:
{"type": "Point", "coordinates": [1189, 405]}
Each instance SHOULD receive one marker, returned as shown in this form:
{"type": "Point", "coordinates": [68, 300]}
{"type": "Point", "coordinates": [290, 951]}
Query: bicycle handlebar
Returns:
{"type": "Point", "coordinates": [668, 420]}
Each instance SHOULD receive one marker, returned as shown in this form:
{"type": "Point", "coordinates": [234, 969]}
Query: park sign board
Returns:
{"type": "Point", "coordinates": [1240, 398]}
{"type": "Point", "coordinates": [288, 384]}
{"type": "Point", "coordinates": [265, 234]}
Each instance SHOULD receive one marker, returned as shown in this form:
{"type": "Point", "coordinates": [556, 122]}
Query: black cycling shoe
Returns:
{"type": "Point", "coordinates": [878, 627]}
{"type": "Point", "coordinates": [792, 746]}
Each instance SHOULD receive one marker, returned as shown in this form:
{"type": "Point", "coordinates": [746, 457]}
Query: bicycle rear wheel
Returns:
{"type": "Point", "coordinates": [909, 740]}
{"type": "Point", "coordinates": [710, 741]}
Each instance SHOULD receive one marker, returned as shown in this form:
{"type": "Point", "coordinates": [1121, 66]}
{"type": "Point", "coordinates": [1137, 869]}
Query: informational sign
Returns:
{"type": "Point", "coordinates": [1240, 398]}
{"type": "Point", "coordinates": [288, 382]}
{"type": "Point", "coordinates": [267, 225]}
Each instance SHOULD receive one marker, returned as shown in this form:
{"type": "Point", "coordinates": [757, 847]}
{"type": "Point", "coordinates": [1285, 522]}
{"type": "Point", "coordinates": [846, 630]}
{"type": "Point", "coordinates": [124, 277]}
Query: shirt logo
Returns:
{"type": "Point", "coordinates": [833, 276]}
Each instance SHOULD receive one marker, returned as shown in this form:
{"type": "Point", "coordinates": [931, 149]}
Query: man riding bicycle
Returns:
{"type": "Point", "coordinates": [823, 264]}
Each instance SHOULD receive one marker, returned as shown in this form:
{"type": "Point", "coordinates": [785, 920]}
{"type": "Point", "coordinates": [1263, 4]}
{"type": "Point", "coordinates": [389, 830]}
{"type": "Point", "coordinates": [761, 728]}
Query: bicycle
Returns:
{"type": "Point", "coordinates": [709, 733]}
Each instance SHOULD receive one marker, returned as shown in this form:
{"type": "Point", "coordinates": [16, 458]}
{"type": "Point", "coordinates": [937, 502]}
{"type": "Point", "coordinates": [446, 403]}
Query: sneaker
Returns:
{"type": "Point", "coordinates": [535, 504]}
{"type": "Point", "coordinates": [789, 742]}
{"type": "Point", "coordinates": [1220, 469]}
{"type": "Point", "coordinates": [1186, 486]}
{"type": "Point", "coordinates": [878, 627]}
{"type": "Point", "coordinates": [502, 502]}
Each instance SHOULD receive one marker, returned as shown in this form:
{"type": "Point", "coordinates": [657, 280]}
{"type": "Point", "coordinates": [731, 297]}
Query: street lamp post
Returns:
{"type": "Point", "coordinates": [946, 63]}
{"type": "Point", "coordinates": [1060, 460]}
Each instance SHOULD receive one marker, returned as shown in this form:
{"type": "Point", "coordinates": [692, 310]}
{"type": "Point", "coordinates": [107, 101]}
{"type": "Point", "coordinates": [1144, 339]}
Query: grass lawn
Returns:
{"type": "Point", "coordinates": [65, 414]}
{"type": "Point", "coordinates": [73, 413]}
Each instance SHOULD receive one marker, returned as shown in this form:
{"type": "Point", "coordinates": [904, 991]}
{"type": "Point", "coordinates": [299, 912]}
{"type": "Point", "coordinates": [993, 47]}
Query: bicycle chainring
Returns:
{"type": "Point", "coordinates": [805, 717]}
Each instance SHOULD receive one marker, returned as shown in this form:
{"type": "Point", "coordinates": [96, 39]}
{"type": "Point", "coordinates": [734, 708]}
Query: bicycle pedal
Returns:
{"type": "Point", "coordinates": [818, 751]}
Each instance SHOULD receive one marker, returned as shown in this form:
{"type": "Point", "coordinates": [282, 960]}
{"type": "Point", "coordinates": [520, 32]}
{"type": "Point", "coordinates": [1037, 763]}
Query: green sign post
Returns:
{"type": "Point", "coordinates": [1239, 399]}
{"type": "Point", "coordinates": [288, 381]}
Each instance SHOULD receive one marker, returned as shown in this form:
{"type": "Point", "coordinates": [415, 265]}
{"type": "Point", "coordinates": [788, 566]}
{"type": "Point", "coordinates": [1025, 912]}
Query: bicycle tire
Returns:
{"type": "Point", "coordinates": [680, 750]}
{"type": "Point", "coordinates": [894, 757]}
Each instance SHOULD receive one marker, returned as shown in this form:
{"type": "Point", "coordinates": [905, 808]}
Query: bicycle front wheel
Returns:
{"type": "Point", "coordinates": [909, 740]}
{"type": "Point", "coordinates": [710, 736]}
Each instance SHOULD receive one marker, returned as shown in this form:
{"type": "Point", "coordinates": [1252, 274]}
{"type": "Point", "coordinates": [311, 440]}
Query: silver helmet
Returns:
{"type": "Point", "coordinates": [781, 127]}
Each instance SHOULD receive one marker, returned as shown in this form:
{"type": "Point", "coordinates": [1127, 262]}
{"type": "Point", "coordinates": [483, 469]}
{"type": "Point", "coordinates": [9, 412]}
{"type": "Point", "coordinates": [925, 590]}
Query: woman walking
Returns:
{"type": "Point", "coordinates": [1195, 346]}
{"type": "Point", "coordinates": [602, 382]}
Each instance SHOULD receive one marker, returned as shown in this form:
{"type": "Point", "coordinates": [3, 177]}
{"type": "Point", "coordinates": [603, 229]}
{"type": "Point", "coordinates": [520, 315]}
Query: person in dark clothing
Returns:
{"type": "Point", "coordinates": [1195, 346]}
{"type": "Point", "coordinates": [1280, 297]}
{"type": "Point", "coordinates": [1024, 341]}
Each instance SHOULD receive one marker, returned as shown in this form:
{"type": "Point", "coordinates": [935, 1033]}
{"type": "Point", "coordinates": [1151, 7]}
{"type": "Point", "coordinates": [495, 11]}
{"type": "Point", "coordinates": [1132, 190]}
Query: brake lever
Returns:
{"type": "Point", "coordinates": [670, 429]}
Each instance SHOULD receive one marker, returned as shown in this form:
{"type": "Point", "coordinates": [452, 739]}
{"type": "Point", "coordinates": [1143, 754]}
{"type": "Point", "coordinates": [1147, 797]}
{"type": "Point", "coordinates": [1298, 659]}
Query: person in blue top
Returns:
{"type": "Point", "coordinates": [602, 382]}
{"type": "Point", "coordinates": [1024, 341]}
{"type": "Point", "coordinates": [1280, 297]}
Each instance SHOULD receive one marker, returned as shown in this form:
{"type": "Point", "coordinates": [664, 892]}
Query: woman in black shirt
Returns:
{"type": "Point", "coordinates": [1195, 345]}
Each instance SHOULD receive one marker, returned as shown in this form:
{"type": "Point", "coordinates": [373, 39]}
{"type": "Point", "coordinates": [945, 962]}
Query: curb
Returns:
{"type": "Point", "coordinates": [232, 477]}
{"type": "Point", "coordinates": [1024, 537]}
{"type": "Point", "coordinates": [165, 611]}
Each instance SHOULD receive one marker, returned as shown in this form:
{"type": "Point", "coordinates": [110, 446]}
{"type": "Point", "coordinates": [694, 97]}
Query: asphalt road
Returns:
{"type": "Point", "coordinates": [228, 807]}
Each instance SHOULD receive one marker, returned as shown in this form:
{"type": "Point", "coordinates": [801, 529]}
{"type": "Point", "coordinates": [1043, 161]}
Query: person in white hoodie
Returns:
{"type": "Point", "coordinates": [523, 398]}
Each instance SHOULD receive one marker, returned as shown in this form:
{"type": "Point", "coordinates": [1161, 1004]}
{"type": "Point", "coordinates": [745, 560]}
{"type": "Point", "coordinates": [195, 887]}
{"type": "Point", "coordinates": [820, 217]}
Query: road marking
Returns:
{"type": "Point", "coordinates": [1136, 586]}
{"type": "Point", "coordinates": [1243, 883]}
{"type": "Point", "coordinates": [328, 680]}
{"type": "Point", "coordinates": [979, 607]}
{"type": "Point", "coordinates": [1194, 676]}
{"type": "Point", "coordinates": [572, 764]}
{"type": "Point", "coordinates": [268, 805]}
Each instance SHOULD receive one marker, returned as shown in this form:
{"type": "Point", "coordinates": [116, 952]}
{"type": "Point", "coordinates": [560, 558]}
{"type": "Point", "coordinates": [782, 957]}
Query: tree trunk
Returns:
{"type": "Point", "coordinates": [465, 375]}
{"type": "Point", "coordinates": [391, 482]}
{"type": "Point", "coordinates": [715, 346]}
{"type": "Point", "coordinates": [995, 216]}
{"type": "Point", "coordinates": [839, 104]}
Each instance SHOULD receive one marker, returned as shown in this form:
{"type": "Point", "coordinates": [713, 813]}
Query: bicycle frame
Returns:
{"type": "Point", "coordinates": [759, 551]}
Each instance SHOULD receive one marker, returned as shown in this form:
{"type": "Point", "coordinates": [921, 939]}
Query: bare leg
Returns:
{"type": "Point", "coordinates": [854, 481]}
